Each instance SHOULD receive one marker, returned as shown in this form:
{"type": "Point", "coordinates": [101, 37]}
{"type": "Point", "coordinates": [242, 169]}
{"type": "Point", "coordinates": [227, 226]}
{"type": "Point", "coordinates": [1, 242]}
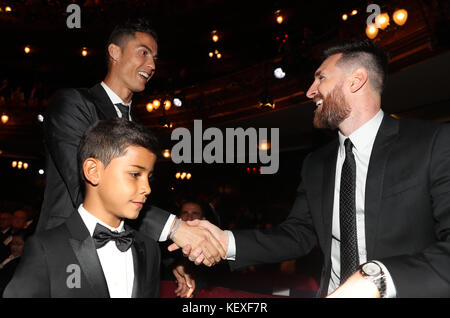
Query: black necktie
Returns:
{"type": "Point", "coordinates": [347, 214]}
{"type": "Point", "coordinates": [103, 235]}
{"type": "Point", "coordinates": [125, 110]}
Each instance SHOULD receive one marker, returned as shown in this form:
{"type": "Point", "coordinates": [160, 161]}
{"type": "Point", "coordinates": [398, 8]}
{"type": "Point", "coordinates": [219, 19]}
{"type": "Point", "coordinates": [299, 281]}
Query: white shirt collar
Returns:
{"type": "Point", "coordinates": [115, 99]}
{"type": "Point", "coordinates": [91, 221]}
{"type": "Point", "coordinates": [364, 136]}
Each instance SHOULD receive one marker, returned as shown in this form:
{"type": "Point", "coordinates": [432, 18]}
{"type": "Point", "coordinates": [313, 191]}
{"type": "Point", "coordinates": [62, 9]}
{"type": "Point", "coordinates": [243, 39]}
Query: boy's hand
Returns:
{"type": "Point", "coordinates": [186, 284]}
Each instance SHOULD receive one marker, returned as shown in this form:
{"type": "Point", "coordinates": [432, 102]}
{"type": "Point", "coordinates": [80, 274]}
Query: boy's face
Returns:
{"type": "Point", "coordinates": [124, 185]}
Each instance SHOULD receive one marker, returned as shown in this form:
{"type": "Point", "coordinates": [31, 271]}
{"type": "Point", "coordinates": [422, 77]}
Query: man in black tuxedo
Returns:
{"type": "Point", "coordinates": [132, 50]}
{"type": "Point", "coordinates": [94, 253]}
{"type": "Point", "coordinates": [376, 199]}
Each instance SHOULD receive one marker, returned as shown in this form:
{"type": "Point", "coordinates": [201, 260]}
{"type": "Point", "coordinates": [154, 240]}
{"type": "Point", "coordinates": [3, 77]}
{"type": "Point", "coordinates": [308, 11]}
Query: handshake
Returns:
{"type": "Point", "coordinates": [201, 242]}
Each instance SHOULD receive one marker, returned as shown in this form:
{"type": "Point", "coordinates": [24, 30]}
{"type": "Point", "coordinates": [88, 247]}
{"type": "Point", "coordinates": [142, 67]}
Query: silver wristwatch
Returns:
{"type": "Point", "coordinates": [374, 272]}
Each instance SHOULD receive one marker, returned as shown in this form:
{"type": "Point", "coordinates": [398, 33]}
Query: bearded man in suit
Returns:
{"type": "Point", "coordinates": [376, 199]}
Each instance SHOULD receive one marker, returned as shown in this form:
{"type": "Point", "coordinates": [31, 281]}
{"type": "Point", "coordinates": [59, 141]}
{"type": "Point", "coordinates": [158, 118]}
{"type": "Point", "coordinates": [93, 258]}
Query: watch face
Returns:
{"type": "Point", "coordinates": [371, 269]}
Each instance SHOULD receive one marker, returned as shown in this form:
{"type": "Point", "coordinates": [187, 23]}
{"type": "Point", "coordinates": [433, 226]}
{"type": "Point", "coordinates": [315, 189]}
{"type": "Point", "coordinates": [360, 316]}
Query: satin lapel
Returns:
{"type": "Point", "coordinates": [140, 268]}
{"type": "Point", "coordinates": [102, 102]}
{"type": "Point", "coordinates": [329, 175]}
{"type": "Point", "coordinates": [382, 146]}
{"type": "Point", "coordinates": [86, 254]}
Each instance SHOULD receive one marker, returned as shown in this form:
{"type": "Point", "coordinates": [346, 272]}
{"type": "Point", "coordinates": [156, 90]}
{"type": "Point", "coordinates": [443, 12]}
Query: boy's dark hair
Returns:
{"type": "Point", "coordinates": [122, 32]}
{"type": "Point", "coordinates": [363, 53]}
{"type": "Point", "coordinates": [109, 139]}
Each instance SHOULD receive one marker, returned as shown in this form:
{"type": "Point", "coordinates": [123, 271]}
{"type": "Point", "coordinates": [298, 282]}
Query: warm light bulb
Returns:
{"type": "Point", "coordinates": [27, 49]}
{"type": "Point", "coordinates": [354, 12]}
{"type": "Point", "coordinates": [280, 19]}
{"type": "Point", "coordinates": [166, 153]}
{"type": "Point", "coordinates": [8, 9]}
{"type": "Point", "coordinates": [382, 21]}
{"type": "Point", "coordinates": [178, 175]}
{"type": "Point", "coordinates": [167, 104]}
{"type": "Point", "coordinates": [345, 17]}
{"type": "Point", "coordinates": [183, 175]}
{"type": "Point", "coordinates": [84, 52]}
{"type": "Point", "coordinates": [4, 118]}
{"type": "Point", "coordinates": [149, 107]}
{"type": "Point", "coordinates": [25, 165]}
{"type": "Point", "coordinates": [14, 164]}
{"type": "Point", "coordinates": [211, 54]}
{"type": "Point", "coordinates": [188, 176]}
{"type": "Point", "coordinates": [156, 104]}
{"type": "Point", "coordinates": [215, 38]}
{"type": "Point", "coordinates": [219, 56]}
{"type": "Point", "coordinates": [400, 16]}
{"type": "Point", "coordinates": [371, 31]}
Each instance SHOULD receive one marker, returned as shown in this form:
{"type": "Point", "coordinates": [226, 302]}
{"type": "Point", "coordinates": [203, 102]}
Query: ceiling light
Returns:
{"type": "Point", "coordinates": [27, 49]}
{"type": "Point", "coordinates": [279, 72]}
{"type": "Point", "coordinates": [149, 107]}
{"type": "Point", "coordinates": [219, 56]}
{"type": "Point", "coordinates": [214, 36]}
{"type": "Point", "coordinates": [279, 17]}
{"type": "Point", "coordinates": [354, 12]}
{"type": "Point", "coordinates": [41, 171]}
{"type": "Point", "coordinates": [400, 16]}
{"type": "Point", "coordinates": [4, 118]}
{"type": "Point", "coordinates": [345, 17]}
{"type": "Point", "coordinates": [166, 153]}
{"type": "Point", "coordinates": [8, 9]}
{"type": "Point", "coordinates": [211, 54]}
{"type": "Point", "coordinates": [156, 104]}
{"type": "Point", "coordinates": [167, 104]}
{"type": "Point", "coordinates": [84, 51]}
{"type": "Point", "coordinates": [382, 21]}
{"type": "Point", "coordinates": [371, 31]}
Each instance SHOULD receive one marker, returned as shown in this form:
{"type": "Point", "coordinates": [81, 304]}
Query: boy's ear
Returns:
{"type": "Point", "coordinates": [91, 170]}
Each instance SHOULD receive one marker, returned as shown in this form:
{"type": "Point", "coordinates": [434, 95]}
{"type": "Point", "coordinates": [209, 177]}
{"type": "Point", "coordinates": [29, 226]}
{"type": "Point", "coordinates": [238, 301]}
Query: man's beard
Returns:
{"type": "Point", "coordinates": [333, 111]}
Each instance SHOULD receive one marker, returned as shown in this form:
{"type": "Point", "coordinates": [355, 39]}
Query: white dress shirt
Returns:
{"type": "Point", "coordinates": [362, 140]}
{"type": "Point", "coordinates": [115, 99]}
{"type": "Point", "coordinates": [117, 266]}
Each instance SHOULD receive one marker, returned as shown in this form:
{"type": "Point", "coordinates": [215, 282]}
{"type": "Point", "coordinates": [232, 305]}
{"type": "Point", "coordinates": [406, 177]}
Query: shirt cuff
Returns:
{"type": "Point", "coordinates": [166, 230]}
{"type": "Point", "coordinates": [231, 249]}
{"type": "Point", "coordinates": [391, 291]}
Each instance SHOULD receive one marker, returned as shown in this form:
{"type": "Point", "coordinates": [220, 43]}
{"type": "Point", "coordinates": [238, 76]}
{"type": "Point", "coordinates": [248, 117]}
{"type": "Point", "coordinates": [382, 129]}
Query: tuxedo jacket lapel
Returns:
{"type": "Point", "coordinates": [139, 268]}
{"type": "Point", "coordinates": [375, 178]}
{"type": "Point", "coordinates": [84, 248]}
{"type": "Point", "coordinates": [102, 102]}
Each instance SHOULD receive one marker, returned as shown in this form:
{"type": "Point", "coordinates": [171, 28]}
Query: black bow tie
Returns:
{"type": "Point", "coordinates": [103, 235]}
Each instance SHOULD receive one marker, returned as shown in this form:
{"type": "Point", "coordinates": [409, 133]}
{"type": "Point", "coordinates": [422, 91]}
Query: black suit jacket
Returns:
{"type": "Point", "coordinates": [407, 210]}
{"type": "Point", "coordinates": [70, 113]}
{"type": "Point", "coordinates": [45, 267]}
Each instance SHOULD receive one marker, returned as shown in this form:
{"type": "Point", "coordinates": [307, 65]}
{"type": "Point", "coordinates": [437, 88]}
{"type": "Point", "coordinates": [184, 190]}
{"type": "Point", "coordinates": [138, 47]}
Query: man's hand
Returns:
{"type": "Point", "coordinates": [186, 283]}
{"type": "Point", "coordinates": [356, 286]}
{"type": "Point", "coordinates": [203, 244]}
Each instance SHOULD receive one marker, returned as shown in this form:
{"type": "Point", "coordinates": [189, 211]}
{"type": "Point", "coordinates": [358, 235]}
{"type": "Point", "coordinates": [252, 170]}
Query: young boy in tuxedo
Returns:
{"type": "Point", "coordinates": [94, 253]}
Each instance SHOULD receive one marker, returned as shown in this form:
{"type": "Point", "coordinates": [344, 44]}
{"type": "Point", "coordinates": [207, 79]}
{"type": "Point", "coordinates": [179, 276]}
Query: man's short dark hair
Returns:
{"type": "Point", "coordinates": [109, 139]}
{"type": "Point", "coordinates": [124, 31]}
{"type": "Point", "coordinates": [363, 53]}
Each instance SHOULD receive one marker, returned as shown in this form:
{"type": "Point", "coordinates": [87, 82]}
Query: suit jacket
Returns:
{"type": "Point", "coordinates": [70, 113]}
{"type": "Point", "coordinates": [407, 210]}
{"type": "Point", "coordinates": [49, 257]}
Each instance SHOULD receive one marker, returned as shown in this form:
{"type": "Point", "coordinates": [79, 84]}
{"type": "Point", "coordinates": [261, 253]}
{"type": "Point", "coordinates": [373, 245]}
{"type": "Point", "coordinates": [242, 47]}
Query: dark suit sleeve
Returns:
{"type": "Point", "coordinates": [427, 274]}
{"type": "Point", "coordinates": [291, 239]}
{"type": "Point", "coordinates": [67, 120]}
{"type": "Point", "coordinates": [30, 279]}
